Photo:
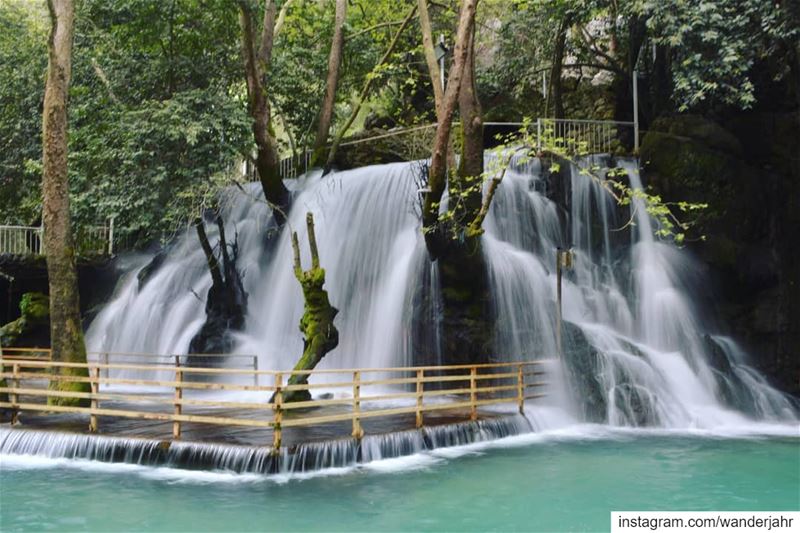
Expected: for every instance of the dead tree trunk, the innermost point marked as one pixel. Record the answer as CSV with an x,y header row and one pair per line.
x,y
334,64
257,54
226,301
66,332
320,335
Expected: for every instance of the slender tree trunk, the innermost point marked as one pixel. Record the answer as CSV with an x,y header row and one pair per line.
x,y
556,87
365,91
434,72
211,260
467,183
334,64
66,333
437,172
430,56
257,56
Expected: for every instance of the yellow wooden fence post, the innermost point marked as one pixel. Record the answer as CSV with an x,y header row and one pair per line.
x,y
278,416
358,432
95,384
178,406
14,397
420,393
473,394
520,389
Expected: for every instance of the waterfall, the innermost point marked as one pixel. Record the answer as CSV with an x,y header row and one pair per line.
x,y
638,349
305,457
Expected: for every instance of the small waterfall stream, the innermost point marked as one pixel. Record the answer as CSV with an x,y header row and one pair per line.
x,y
638,350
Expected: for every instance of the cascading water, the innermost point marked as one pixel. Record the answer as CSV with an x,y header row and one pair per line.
x,y
636,350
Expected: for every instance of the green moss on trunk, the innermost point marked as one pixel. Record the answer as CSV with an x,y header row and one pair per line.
x,y
320,336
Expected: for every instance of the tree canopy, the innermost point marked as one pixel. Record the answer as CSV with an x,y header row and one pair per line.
x,y
158,103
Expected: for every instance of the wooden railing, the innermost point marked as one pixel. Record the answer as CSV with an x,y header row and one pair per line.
x,y
458,389
251,361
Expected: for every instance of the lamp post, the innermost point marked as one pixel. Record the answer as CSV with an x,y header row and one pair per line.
x,y
636,112
563,262
441,51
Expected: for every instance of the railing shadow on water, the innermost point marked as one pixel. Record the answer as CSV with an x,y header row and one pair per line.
x,y
171,389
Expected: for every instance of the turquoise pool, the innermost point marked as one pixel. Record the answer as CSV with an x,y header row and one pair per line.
x,y
564,482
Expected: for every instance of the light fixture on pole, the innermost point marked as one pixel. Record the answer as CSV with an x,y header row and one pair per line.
x,y
564,260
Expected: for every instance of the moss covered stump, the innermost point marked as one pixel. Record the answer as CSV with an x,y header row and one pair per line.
x,y
320,336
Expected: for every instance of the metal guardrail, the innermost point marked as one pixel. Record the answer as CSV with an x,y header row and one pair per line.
x,y
418,390
21,240
28,240
576,136
582,137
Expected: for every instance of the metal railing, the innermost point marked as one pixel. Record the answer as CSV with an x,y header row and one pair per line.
x,y
21,240
28,240
581,137
458,390
575,136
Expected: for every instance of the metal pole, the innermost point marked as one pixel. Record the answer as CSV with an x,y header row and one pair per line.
x,y
563,261
441,62
559,252
538,136
636,111
111,236
544,88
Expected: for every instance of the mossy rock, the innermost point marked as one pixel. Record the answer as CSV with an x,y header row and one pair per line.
x,y
700,130
35,306
32,328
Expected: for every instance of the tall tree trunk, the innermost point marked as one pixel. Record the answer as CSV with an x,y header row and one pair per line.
x,y
66,333
467,183
334,63
437,172
434,72
556,87
467,321
257,56
622,84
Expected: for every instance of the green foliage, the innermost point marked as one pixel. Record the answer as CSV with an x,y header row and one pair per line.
x,y
716,44
670,217
156,110
23,63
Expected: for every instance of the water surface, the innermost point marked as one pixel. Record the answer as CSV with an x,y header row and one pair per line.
x,y
564,481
